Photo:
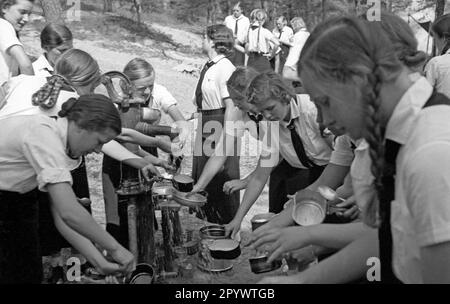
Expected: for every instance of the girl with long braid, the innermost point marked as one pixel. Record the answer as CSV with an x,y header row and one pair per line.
x,y
360,84
338,236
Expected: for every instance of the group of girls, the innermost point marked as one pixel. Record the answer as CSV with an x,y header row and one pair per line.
x,y
50,121
388,160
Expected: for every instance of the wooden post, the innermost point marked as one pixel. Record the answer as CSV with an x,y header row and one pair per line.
x,y
169,255
132,227
145,228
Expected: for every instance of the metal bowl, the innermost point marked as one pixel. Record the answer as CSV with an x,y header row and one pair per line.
x,y
308,212
183,183
224,249
191,247
212,232
193,200
260,219
259,264
143,274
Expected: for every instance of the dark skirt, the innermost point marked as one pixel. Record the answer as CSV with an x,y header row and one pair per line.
x,y
283,56
259,62
221,208
285,180
20,258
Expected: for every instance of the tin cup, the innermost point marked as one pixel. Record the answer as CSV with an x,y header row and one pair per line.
x,y
259,264
183,183
260,219
309,212
143,274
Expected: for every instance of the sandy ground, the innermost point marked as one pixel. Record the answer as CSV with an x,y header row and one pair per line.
x,y
181,85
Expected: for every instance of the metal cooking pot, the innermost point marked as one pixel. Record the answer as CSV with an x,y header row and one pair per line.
x,y
143,274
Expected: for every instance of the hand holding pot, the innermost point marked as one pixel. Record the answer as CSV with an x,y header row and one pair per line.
x,y
352,211
307,194
149,170
233,228
281,240
124,258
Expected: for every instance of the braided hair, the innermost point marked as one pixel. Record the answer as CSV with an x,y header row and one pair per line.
x,y
402,38
73,69
47,96
344,52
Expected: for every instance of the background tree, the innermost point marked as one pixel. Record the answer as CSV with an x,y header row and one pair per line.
x,y
107,6
52,11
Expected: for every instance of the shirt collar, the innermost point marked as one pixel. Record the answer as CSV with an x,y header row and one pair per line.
x,y
405,112
43,63
62,126
218,58
295,113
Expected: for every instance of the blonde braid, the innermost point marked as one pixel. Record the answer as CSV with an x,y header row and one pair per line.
x,y
374,137
47,96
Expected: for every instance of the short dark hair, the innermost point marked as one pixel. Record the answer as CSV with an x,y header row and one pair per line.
x,y
92,112
54,35
222,37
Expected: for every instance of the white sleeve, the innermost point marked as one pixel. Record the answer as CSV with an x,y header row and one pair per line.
x,y
427,182
224,76
8,38
431,71
44,150
115,150
342,154
163,98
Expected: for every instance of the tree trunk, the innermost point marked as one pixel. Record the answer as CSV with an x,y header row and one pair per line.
x,y
107,6
52,11
138,9
323,10
229,7
440,7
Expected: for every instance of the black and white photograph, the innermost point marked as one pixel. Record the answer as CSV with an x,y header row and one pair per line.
x,y
219,149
